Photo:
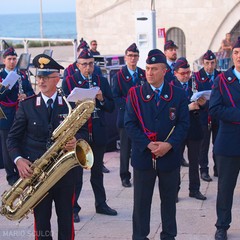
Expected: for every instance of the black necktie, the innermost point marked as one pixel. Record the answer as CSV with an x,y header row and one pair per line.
x,y
49,108
134,77
157,96
172,67
210,79
185,86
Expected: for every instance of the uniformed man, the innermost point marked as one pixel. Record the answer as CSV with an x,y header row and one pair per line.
x,y
73,68
85,78
204,81
30,137
183,80
130,75
225,106
157,121
170,51
9,99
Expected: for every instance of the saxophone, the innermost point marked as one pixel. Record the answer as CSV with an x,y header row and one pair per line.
x,y
25,194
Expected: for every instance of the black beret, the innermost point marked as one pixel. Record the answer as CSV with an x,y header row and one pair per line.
x,y
181,63
9,52
85,54
237,43
156,56
209,55
169,44
46,65
132,48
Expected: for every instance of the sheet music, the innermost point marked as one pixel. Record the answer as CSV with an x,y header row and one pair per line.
x,y
206,94
80,94
11,79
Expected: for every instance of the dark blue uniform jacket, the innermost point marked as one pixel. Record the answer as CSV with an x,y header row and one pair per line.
x,y
225,106
172,113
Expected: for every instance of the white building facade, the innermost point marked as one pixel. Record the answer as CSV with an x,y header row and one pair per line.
x,y
195,26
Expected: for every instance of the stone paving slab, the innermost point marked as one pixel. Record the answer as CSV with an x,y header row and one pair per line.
x,y
195,218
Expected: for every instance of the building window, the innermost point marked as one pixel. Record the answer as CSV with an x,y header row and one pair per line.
x,y
178,36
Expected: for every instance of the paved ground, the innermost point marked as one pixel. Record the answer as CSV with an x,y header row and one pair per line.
x,y
195,218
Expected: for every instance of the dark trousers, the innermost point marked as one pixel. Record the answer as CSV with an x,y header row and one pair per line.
x,y
144,182
96,179
193,152
10,167
228,170
63,198
125,151
204,147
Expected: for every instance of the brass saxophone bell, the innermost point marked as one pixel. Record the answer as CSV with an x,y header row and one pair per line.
x,y
84,154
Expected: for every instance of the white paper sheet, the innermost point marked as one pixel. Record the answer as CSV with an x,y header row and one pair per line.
x,y
80,94
10,80
206,94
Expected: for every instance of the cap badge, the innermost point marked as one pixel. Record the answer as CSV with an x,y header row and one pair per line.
x,y
43,61
153,59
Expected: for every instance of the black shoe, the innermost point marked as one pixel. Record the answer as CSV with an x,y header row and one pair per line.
x,y
206,177
184,163
221,234
105,209
126,183
105,170
197,195
76,218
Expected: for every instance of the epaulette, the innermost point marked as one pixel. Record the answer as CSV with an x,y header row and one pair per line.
x,y
30,97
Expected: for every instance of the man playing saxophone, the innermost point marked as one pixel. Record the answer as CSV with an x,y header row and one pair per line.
x,y
30,137
9,99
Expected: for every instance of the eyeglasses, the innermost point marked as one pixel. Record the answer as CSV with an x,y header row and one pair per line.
x,y
133,55
90,64
94,44
45,79
184,73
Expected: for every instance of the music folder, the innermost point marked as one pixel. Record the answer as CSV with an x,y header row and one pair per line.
x,y
81,94
206,94
10,80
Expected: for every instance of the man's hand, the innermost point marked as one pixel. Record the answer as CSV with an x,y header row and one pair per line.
x,y
24,168
99,96
70,145
193,106
201,101
159,149
21,96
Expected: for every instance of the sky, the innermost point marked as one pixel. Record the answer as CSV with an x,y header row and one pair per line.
x,y
33,6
